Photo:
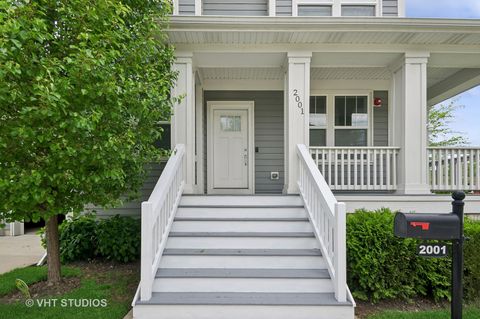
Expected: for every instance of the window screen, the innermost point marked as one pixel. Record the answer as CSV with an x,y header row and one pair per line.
x,y
315,10
358,11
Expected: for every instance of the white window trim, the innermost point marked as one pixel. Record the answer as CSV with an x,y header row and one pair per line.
x,y
337,5
176,7
331,127
272,8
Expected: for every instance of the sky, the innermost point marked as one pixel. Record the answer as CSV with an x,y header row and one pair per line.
x,y
467,118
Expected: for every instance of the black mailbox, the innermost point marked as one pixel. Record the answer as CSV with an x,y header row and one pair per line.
x,y
427,226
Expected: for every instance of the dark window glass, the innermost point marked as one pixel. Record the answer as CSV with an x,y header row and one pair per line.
x,y
318,104
340,111
345,106
361,104
350,108
165,141
352,137
318,137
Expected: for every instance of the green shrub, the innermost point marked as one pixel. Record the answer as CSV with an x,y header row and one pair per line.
x,y
382,266
472,260
78,238
379,264
119,238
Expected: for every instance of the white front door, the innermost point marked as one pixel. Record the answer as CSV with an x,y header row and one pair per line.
x,y
230,149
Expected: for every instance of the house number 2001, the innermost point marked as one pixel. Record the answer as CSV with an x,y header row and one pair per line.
x,y
298,101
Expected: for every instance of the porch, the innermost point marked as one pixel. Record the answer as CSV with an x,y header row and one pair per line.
x,y
376,168
358,99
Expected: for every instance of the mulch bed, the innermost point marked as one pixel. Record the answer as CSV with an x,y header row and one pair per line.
x,y
365,309
99,270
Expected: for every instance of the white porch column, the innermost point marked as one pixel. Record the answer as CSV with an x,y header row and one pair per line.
x,y
183,118
297,108
410,122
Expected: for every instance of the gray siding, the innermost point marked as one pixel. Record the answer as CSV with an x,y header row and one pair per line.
x,y
268,118
186,7
133,208
236,7
284,7
380,120
390,8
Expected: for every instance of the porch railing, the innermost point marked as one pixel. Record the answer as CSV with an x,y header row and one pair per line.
x,y
357,168
328,218
454,168
157,218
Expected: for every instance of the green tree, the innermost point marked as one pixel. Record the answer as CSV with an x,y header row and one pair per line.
x,y
83,85
439,132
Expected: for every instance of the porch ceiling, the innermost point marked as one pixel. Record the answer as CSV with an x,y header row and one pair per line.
x,y
435,75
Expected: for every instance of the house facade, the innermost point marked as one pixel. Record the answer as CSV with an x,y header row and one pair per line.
x,y
294,112
353,80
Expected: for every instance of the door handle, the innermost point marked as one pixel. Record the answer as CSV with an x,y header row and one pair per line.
x,y
245,157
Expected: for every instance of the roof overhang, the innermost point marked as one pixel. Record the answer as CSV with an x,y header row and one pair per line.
x,y
285,30
453,44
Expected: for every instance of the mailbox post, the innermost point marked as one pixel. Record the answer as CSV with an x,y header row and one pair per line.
x,y
457,258
440,227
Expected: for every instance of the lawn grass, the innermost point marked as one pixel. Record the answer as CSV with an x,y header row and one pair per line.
x,y
469,313
30,275
112,286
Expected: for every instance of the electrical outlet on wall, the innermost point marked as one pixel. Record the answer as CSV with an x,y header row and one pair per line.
x,y
274,175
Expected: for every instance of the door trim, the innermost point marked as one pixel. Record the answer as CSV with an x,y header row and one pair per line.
x,y
231,105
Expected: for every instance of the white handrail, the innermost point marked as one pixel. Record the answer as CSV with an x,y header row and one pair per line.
x,y
358,168
157,218
454,168
328,218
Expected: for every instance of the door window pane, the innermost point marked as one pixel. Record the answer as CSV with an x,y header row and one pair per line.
x,y
230,123
353,137
318,137
358,11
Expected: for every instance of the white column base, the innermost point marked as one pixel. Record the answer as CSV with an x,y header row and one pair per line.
x,y
413,189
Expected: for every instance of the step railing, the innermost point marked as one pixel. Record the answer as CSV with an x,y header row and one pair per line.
x,y
454,168
328,218
157,219
358,168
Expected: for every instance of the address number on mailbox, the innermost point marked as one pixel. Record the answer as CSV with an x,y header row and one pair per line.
x,y
432,250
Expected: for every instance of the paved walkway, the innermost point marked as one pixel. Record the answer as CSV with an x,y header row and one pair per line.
x,y
19,251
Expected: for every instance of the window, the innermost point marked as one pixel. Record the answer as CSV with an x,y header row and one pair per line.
x,y
318,121
351,120
230,123
315,10
358,11
165,142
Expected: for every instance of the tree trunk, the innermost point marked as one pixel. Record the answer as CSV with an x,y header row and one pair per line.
x,y
53,251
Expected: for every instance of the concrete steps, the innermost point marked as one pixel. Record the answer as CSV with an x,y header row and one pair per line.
x,y
242,257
